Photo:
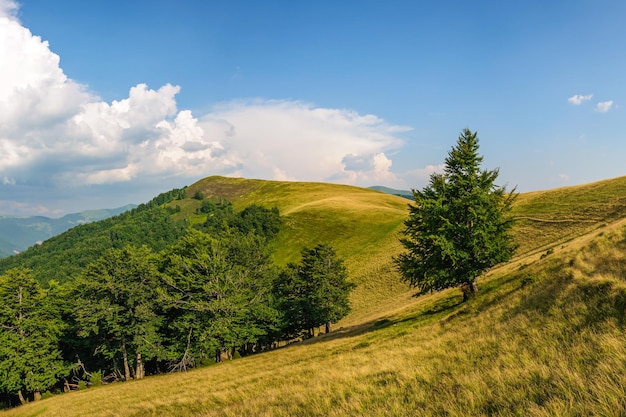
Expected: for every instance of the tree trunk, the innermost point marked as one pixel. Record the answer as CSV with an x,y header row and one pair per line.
x,y
126,366
469,289
328,326
21,397
141,370
222,355
37,395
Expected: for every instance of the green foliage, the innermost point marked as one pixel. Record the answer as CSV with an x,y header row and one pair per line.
x,y
254,219
30,359
458,227
258,220
63,257
117,306
217,295
198,195
313,293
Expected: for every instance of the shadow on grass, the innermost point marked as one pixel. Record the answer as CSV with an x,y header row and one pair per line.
x,y
431,312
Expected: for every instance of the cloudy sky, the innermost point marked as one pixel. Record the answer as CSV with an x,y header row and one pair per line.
x,y
104,103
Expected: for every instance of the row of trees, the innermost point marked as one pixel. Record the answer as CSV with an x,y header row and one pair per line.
x,y
135,311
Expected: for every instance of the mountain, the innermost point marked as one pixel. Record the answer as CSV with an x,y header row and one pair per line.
x,y
17,233
402,193
544,336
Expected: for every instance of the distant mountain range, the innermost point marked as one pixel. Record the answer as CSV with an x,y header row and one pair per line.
x,y
17,233
401,193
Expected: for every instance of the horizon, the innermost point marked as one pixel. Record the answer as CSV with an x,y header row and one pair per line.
x,y
351,93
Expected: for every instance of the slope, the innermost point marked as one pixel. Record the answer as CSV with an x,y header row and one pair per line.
x,y
17,233
362,225
545,336
548,218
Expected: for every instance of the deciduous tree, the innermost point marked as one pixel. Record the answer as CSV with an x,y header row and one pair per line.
x,y
315,292
30,359
217,291
117,306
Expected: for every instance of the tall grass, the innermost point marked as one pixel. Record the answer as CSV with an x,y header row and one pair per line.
x,y
544,336
543,339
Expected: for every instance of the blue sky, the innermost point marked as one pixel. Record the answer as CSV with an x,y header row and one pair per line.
x,y
128,99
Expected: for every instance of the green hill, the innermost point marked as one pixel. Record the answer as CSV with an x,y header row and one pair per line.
x,y
544,337
361,224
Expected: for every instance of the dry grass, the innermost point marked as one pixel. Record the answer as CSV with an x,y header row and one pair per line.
x,y
544,337
548,218
542,340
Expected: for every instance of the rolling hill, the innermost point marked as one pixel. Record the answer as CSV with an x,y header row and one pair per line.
x,y
544,337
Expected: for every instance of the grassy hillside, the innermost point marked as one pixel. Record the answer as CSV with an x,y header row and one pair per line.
x,y
361,224
548,218
544,337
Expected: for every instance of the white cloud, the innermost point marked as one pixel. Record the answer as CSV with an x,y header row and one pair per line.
x,y
289,139
55,133
421,177
578,99
604,106
7,8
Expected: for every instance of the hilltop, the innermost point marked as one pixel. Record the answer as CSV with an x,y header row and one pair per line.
x,y
543,337
361,224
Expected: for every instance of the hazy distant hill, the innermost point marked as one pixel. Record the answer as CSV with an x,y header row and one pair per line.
x,y
392,191
17,233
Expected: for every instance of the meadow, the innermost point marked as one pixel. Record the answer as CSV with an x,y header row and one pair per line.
x,y
544,336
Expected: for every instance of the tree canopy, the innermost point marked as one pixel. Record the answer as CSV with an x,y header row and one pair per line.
x,y
314,292
458,227
30,360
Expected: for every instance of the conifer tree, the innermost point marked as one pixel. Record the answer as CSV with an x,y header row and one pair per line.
x,y
458,227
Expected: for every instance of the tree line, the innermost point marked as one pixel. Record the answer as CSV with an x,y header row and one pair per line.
x,y
212,294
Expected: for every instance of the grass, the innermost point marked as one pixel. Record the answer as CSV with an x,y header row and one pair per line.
x,y
548,218
361,224
544,337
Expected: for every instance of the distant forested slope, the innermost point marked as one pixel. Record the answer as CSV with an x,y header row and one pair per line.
x,y
64,256
17,233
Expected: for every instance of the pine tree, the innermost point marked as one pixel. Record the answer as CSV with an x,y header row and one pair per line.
x,y
458,227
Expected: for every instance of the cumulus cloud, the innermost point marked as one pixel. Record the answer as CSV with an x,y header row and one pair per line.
x,y
578,99
288,139
604,106
7,8
55,133
421,176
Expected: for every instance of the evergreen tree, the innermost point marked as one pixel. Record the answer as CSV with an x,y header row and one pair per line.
x,y
30,359
458,227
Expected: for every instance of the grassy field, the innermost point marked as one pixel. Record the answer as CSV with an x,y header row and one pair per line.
x,y
544,337
362,225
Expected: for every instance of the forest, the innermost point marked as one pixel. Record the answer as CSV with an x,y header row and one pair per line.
x,y
142,293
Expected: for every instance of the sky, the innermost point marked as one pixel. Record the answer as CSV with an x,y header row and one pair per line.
x,y
106,103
